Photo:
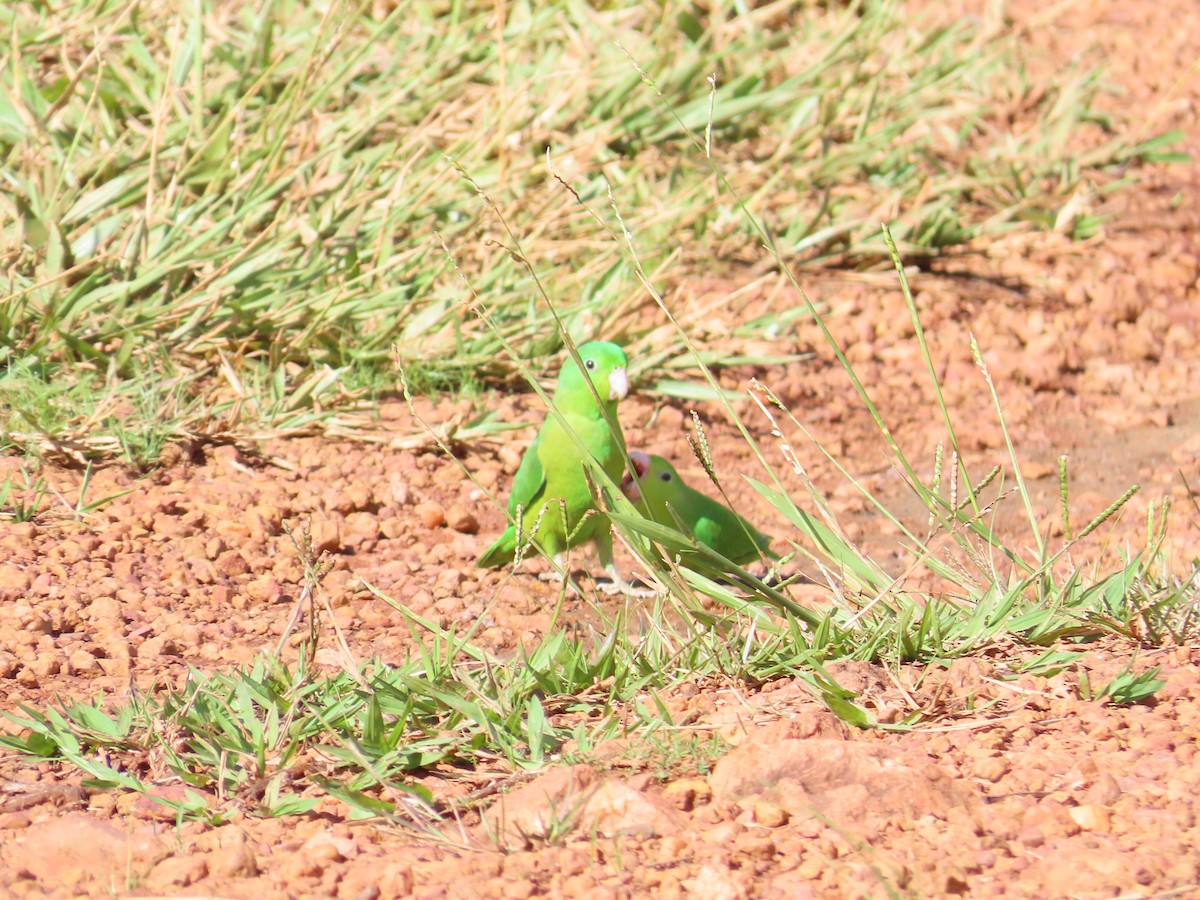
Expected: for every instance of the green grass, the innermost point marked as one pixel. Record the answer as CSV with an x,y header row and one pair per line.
x,y
277,739
220,217
24,496
224,218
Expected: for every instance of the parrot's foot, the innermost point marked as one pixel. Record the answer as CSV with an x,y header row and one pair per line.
x,y
612,588
558,574
618,585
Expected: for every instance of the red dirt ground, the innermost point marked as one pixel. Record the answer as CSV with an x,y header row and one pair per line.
x,y
1092,348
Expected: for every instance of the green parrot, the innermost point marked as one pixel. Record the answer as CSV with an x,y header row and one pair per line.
x,y
658,491
551,499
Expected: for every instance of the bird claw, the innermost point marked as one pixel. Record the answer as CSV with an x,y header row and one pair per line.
x,y
621,586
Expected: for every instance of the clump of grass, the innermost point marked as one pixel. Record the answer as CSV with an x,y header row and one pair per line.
x,y
24,496
670,754
962,585
247,204
275,739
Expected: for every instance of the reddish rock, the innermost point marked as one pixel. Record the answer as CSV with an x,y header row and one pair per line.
x,y
461,520
770,815
991,768
431,514
617,809
1105,791
687,793
74,849
14,821
329,847
855,785
44,665
83,662
359,530
177,872
326,536
264,589
1090,818
157,646
231,563
392,527
715,882
536,809
71,552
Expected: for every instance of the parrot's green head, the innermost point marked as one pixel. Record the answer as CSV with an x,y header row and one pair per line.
x,y
604,364
656,478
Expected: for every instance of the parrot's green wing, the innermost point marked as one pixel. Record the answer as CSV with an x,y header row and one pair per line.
x,y
500,553
530,480
709,532
528,486
719,527
731,535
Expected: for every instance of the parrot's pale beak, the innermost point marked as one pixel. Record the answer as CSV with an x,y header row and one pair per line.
x,y
631,481
641,462
618,384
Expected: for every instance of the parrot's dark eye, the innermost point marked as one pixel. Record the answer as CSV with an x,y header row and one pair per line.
x,y
664,476
590,363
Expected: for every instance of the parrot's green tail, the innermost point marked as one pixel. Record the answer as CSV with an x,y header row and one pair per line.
x,y
760,549
500,553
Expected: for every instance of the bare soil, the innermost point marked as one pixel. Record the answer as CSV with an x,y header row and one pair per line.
x,y
1035,793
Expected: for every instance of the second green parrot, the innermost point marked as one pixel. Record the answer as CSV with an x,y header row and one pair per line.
x,y
551,501
658,491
